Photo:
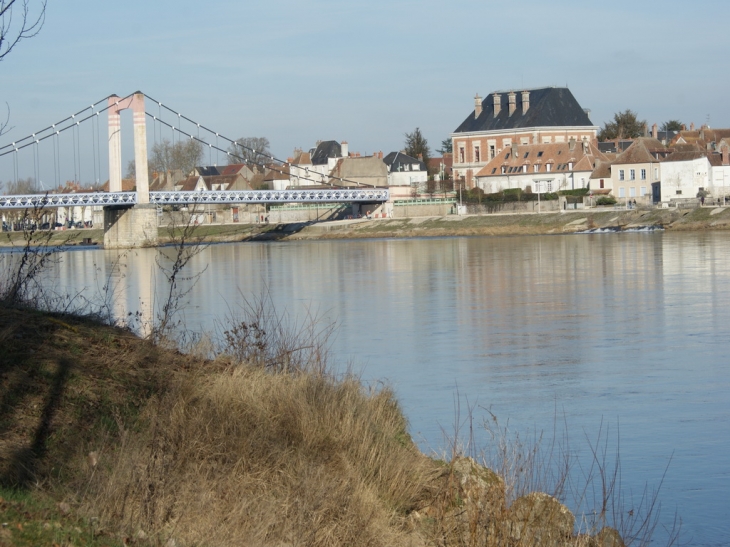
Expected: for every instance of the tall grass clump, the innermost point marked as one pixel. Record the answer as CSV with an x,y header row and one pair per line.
x,y
256,453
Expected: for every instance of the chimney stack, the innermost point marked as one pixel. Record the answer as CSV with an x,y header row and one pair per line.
x,y
725,155
497,103
345,149
512,97
692,126
655,131
525,101
477,105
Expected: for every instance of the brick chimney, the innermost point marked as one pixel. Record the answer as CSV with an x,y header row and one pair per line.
x,y
525,101
512,97
571,144
497,103
477,105
726,155
655,131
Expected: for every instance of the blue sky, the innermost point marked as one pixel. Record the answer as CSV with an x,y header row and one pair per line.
x,y
296,72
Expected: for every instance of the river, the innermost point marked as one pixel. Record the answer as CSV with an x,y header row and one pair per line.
x,y
624,333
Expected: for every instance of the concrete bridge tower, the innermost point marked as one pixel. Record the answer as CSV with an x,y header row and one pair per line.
x,y
126,227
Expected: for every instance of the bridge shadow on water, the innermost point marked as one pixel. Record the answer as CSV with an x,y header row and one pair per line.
x,y
280,231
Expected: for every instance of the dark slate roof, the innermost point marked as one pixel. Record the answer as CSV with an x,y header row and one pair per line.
x,y
324,150
549,107
395,161
208,171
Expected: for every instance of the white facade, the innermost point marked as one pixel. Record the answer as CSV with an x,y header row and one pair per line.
x,y
407,178
683,179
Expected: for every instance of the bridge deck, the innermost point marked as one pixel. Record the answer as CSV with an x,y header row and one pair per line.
x,y
330,195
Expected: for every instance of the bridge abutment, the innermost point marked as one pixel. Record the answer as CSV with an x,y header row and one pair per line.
x,y
129,227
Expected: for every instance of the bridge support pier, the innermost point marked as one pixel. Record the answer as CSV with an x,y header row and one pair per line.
x,y
129,227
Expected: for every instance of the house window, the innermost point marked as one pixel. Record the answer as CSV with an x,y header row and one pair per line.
x,y
632,192
536,168
524,168
601,184
656,173
549,185
548,167
492,152
461,154
477,155
632,174
622,192
620,174
679,192
504,169
642,191
643,174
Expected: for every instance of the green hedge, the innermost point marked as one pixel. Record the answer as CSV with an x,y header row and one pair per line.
x,y
477,195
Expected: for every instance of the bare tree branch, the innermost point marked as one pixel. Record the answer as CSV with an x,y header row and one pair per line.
x,y
19,20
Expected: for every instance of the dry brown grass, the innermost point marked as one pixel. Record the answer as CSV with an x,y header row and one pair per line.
x,y
246,457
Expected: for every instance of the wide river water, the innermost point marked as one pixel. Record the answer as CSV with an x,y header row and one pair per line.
x,y
626,333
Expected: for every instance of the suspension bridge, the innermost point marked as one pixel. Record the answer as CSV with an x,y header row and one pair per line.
x,y
130,218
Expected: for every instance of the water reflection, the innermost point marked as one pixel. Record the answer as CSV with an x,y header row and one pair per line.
x,y
627,328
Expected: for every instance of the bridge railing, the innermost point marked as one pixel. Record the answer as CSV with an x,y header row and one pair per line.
x,y
327,195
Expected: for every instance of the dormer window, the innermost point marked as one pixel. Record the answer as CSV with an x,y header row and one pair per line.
x,y
539,154
526,154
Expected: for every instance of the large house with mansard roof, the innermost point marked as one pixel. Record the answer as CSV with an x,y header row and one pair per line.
x,y
541,168
532,116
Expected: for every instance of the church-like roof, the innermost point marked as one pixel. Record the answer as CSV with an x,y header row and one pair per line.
x,y
547,107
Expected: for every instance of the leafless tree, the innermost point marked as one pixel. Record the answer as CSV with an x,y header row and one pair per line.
x,y
166,156
19,19
249,150
21,186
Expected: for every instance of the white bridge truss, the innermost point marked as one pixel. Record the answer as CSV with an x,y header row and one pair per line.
x,y
126,199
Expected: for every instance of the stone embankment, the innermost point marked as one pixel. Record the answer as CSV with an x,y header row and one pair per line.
x,y
500,224
701,218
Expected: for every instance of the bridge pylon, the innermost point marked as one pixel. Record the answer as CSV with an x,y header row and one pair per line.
x,y
137,226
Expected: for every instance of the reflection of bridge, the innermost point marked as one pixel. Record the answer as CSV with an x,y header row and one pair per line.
x,y
130,218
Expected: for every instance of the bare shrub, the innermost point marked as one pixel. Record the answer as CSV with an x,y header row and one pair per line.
x,y
255,334
185,245
21,283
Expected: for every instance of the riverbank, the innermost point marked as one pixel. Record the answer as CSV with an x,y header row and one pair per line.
x,y
109,439
696,219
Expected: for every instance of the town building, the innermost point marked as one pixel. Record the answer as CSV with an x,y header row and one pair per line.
x,y
635,173
539,168
532,116
404,170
